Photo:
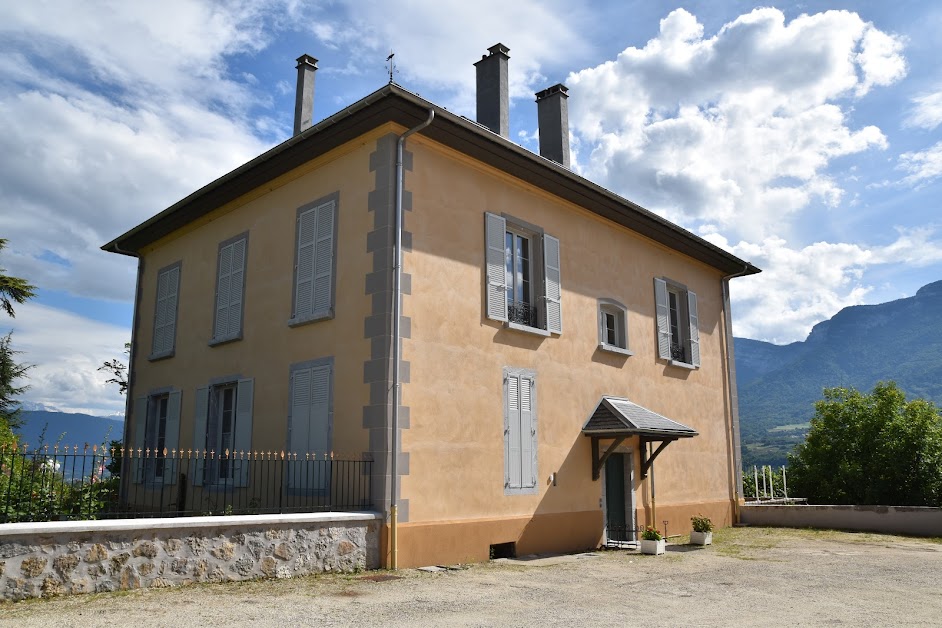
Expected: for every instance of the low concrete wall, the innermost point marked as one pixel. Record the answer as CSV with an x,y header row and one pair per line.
x,y
887,519
47,559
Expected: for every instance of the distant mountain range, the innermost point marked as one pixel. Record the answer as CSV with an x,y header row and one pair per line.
x,y
860,346
45,427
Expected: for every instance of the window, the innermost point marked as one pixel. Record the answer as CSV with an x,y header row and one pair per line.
x,y
156,434
314,262
230,285
520,466
223,432
165,315
523,275
613,327
678,333
309,425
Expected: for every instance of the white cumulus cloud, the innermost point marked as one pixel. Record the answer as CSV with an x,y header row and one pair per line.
x,y
922,166
803,285
67,350
926,112
109,113
737,129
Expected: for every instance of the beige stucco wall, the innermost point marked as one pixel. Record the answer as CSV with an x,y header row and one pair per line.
x,y
454,485
269,345
457,356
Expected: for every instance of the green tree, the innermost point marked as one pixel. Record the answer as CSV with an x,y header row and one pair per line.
x,y
10,371
118,370
13,289
870,449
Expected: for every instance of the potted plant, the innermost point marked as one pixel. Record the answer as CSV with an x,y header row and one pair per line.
x,y
702,530
652,542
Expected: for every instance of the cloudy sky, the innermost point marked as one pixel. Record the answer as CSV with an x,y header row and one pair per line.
x,y
804,138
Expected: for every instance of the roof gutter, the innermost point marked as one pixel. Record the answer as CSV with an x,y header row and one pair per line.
x,y
396,349
733,391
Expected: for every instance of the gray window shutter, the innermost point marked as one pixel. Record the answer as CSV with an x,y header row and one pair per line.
x,y
552,285
694,328
199,434
527,435
168,286
242,440
323,257
229,284
304,270
507,414
310,428
663,319
172,436
514,437
140,428
320,425
495,258
299,426
223,284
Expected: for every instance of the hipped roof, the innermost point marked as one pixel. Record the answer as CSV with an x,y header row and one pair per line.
x,y
616,416
392,103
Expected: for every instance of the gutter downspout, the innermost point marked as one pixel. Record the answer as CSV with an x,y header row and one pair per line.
x,y
733,392
396,358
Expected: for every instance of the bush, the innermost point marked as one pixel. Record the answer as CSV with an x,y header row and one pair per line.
x,y
651,534
701,524
873,449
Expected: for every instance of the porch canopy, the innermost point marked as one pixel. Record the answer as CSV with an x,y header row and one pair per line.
x,y
616,419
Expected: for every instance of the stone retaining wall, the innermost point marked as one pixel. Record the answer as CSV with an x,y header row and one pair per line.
x,y
57,558
917,521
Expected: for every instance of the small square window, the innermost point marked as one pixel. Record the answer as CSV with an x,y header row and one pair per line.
x,y
613,326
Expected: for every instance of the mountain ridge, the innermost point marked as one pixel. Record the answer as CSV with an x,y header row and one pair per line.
x,y
859,346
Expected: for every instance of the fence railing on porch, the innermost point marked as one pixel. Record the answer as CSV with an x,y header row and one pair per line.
x,y
62,483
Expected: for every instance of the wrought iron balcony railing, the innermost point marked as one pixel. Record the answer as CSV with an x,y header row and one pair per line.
x,y
522,313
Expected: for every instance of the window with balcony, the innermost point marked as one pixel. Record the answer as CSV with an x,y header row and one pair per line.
x,y
523,276
678,334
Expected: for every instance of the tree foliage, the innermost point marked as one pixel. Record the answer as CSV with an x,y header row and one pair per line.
x,y
118,370
10,371
872,448
13,289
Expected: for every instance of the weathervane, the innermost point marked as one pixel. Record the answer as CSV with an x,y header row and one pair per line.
x,y
391,65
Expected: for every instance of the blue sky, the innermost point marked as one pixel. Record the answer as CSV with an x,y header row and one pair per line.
x,y
803,137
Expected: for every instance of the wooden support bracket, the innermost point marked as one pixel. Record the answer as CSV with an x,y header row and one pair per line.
x,y
647,462
598,462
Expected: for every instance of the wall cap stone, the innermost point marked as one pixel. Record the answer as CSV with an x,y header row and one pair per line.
x,y
181,523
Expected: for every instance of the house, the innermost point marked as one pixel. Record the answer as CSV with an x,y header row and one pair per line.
x,y
554,339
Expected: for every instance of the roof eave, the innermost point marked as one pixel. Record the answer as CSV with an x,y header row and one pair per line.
x,y
392,103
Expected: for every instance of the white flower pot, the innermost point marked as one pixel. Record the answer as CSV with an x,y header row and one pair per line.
x,y
701,538
653,547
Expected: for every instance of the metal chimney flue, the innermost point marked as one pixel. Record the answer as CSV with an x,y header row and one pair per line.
x,y
552,106
493,90
304,96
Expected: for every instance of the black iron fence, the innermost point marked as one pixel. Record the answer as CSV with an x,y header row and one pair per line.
x,y
63,483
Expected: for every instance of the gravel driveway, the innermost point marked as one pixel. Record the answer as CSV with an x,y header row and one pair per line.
x,y
749,577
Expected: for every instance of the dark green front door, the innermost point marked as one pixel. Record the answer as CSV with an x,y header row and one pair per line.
x,y
615,498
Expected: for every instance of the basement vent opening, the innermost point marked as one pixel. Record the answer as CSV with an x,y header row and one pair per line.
x,y
503,550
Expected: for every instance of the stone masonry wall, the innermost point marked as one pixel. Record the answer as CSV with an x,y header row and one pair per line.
x,y
48,559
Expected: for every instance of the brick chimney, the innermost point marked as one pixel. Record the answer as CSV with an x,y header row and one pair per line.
x,y
553,116
494,90
304,96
